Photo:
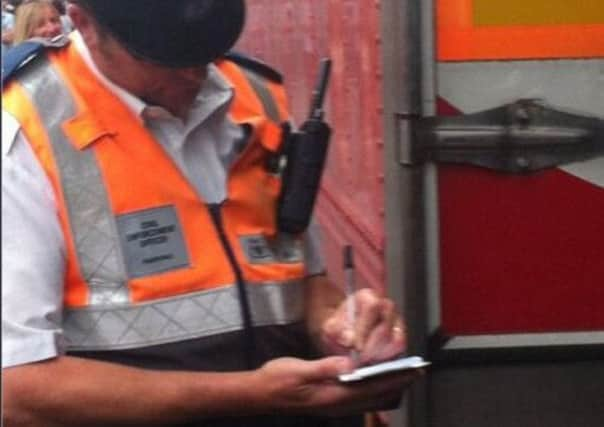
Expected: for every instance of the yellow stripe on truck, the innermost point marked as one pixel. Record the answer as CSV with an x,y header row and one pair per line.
x,y
537,12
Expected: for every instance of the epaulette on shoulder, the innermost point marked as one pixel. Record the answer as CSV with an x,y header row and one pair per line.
x,y
17,57
254,65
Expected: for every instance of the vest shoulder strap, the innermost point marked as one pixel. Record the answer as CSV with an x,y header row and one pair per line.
x,y
258,74
17,58
255,65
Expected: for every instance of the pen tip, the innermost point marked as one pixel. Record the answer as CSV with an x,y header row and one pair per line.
x,y
348,257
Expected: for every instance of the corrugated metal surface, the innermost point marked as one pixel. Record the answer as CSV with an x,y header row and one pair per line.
x,y
292,36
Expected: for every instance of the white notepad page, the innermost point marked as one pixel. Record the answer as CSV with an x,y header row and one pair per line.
x,y
412,362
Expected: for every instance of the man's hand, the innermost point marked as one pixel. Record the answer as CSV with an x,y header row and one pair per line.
x,y
296,386
377,335
147,398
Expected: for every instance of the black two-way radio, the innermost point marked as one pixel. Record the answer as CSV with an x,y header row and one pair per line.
x,y
306,151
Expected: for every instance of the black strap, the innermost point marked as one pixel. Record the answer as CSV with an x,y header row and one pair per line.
x,y
254,65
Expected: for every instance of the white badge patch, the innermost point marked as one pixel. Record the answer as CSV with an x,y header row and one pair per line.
x,y
283,249
152,241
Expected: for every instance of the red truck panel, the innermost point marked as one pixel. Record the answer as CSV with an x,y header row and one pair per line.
x,y
519,253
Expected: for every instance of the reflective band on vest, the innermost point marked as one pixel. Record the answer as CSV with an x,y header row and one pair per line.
x,y
90,214
184,317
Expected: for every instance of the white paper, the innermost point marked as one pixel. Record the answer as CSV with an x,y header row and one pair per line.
x,y
412,362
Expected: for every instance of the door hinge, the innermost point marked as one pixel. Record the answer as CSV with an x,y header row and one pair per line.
x,y
524,136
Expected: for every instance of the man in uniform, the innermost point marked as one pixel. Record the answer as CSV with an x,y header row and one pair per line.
x,y
144,280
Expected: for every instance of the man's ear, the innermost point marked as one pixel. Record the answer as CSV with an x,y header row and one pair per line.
x,y
84,23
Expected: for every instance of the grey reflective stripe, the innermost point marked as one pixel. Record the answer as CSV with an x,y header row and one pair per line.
x,y
183,317
264,94
91,220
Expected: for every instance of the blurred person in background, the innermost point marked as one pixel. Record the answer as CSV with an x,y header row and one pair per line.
x,y
65,20
36,18
8,22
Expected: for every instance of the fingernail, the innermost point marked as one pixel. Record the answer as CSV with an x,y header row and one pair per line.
x,y
397,332
341,364
347,338
345,366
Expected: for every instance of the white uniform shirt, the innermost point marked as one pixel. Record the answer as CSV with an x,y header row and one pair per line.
x,y
33,247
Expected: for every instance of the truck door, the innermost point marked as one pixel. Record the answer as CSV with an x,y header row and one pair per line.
x,y
515,315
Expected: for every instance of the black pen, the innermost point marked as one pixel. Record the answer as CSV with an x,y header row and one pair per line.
x,y
350,288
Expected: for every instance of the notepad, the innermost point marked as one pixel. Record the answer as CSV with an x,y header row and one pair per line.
x,y
412,362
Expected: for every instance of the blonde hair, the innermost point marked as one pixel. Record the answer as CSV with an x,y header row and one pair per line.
x,y
27,16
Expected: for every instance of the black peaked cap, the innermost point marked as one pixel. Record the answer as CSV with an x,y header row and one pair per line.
x,y
173,33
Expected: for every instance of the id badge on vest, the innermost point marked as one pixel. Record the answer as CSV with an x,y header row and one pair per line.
x,y
152,241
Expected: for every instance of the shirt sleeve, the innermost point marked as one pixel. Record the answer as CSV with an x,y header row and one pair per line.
x,y
312,250
33,255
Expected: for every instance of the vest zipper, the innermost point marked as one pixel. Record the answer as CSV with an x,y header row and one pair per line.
x,y
215,210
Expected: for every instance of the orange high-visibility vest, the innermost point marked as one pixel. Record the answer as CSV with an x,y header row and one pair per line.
x,y
148,261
